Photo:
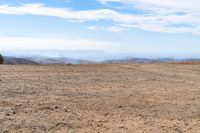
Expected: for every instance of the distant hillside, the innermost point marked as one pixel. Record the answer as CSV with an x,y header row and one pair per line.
x,y
65,60
74,54
132,60
146,60
59,60
43,60
15,61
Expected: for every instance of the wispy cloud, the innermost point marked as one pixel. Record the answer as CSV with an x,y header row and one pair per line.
x,y
159,15
160,18
81,16
115,29
181,5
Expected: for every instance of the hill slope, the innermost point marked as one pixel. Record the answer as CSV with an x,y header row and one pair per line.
x,y
17,61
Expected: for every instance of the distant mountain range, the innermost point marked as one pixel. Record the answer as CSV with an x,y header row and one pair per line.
x,y
93,55
64,60
146,60
42,60
77,57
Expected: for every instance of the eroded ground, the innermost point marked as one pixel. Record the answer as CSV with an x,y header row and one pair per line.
x,y
133,98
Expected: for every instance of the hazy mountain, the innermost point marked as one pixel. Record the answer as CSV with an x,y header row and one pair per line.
x,y
78,57
92,55
59,60
41,60
146,60
131,60
64,60
15,61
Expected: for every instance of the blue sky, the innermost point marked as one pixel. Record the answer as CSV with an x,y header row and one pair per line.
x,y
170,28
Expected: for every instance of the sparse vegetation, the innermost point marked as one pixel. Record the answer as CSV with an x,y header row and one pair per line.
x,y
1,59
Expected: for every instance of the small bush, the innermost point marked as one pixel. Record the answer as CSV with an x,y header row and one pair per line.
x,y
1,59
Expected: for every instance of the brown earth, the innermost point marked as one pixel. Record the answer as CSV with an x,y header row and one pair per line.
x,y
132,98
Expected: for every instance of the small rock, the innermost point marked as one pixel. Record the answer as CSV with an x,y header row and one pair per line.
x,y
13,112
122,127
106,114
55,107
65,109
7,114
18,105
120,106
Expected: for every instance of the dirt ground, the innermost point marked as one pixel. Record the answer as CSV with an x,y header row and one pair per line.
x,y
123,98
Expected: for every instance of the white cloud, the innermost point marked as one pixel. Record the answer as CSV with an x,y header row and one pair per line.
x,y
86,15
171,16
115,29
183,5
177,16
12,43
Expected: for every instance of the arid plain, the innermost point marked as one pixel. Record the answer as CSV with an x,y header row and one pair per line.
x,y
105,98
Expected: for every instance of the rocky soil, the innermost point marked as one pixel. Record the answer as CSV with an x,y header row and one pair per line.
x,y
139,98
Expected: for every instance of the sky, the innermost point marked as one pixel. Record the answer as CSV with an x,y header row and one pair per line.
x,y
161,28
